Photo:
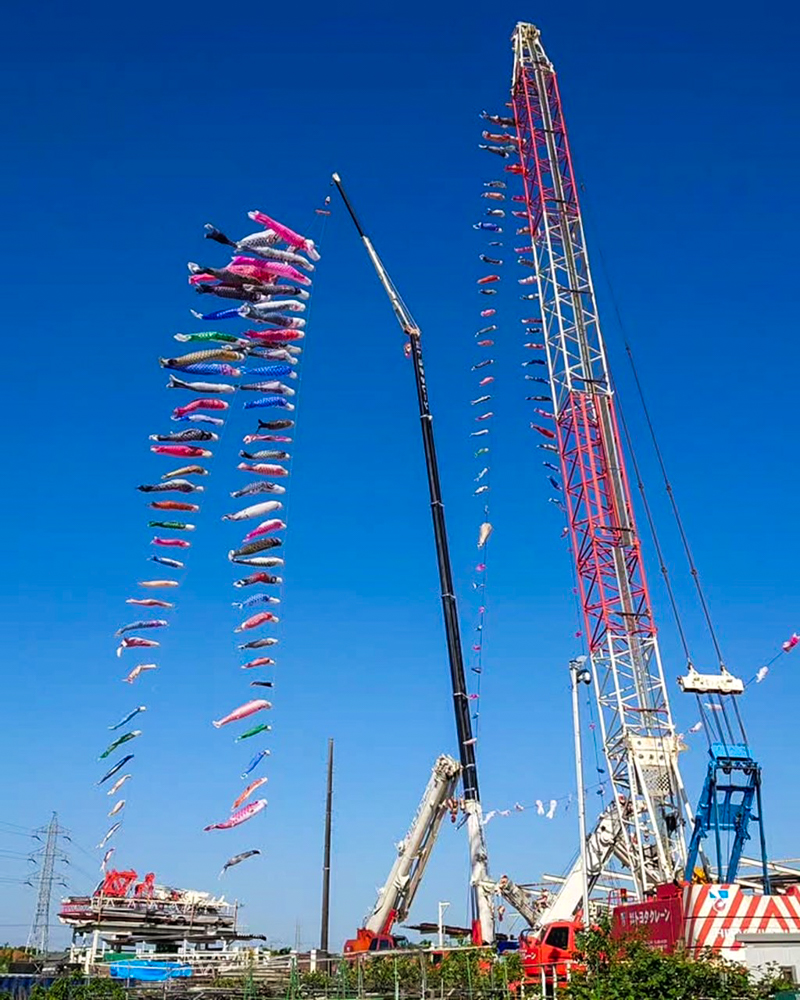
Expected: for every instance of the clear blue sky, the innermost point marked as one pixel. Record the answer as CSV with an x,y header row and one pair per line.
x,y
125,129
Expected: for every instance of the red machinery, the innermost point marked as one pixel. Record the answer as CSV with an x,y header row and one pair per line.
x,y
116,883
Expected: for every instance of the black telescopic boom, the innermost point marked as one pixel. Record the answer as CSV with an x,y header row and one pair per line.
x,y
455,655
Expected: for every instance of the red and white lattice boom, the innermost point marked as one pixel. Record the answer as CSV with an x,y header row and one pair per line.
x,y
638,733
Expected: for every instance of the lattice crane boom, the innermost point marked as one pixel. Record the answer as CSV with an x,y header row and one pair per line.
x,y
638,732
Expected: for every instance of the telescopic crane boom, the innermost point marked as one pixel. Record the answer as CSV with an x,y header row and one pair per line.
x,y
397,894
482,916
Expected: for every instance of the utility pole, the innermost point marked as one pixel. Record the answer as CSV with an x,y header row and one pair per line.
x,y
326,864
46,857
442,907
578,674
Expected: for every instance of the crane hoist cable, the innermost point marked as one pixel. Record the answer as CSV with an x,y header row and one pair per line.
x,y
731,736
659,456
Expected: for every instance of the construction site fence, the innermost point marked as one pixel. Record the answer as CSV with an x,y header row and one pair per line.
x,y
455,973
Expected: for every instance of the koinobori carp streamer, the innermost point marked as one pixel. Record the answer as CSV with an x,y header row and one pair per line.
x,y
192,434
259,661
239,817
255,510
262,727
262,618
129,716
242,712
268,561
116,767
138,670
258,545
118,784
259,643
118,742
256,599
208,374
255,761
134,641
254,578
258,783
257,487
237,859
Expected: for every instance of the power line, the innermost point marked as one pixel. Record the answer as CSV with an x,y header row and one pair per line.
x,y
25,829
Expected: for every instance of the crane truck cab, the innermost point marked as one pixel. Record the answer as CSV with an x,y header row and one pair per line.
x,y
548,954
367,941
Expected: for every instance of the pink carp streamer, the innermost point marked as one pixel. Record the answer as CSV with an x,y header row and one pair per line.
x,y
237,818
242,712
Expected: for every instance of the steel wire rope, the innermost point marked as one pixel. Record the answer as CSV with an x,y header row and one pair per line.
x,y
676,614
481,626
615,304
224,430
296,417
662,737
656,446
481,588
674,507
673,503
718,702
15,833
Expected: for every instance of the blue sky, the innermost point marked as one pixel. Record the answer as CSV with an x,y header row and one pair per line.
x,y
127,129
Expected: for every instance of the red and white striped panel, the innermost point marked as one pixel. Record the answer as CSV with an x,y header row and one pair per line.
x,y
715,914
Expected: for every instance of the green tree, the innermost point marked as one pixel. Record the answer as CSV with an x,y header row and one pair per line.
x,y
75,987
628,969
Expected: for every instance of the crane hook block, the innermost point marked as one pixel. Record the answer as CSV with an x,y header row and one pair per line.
x,y
721,683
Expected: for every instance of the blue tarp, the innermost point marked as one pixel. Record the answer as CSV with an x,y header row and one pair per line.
x,y
151,972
